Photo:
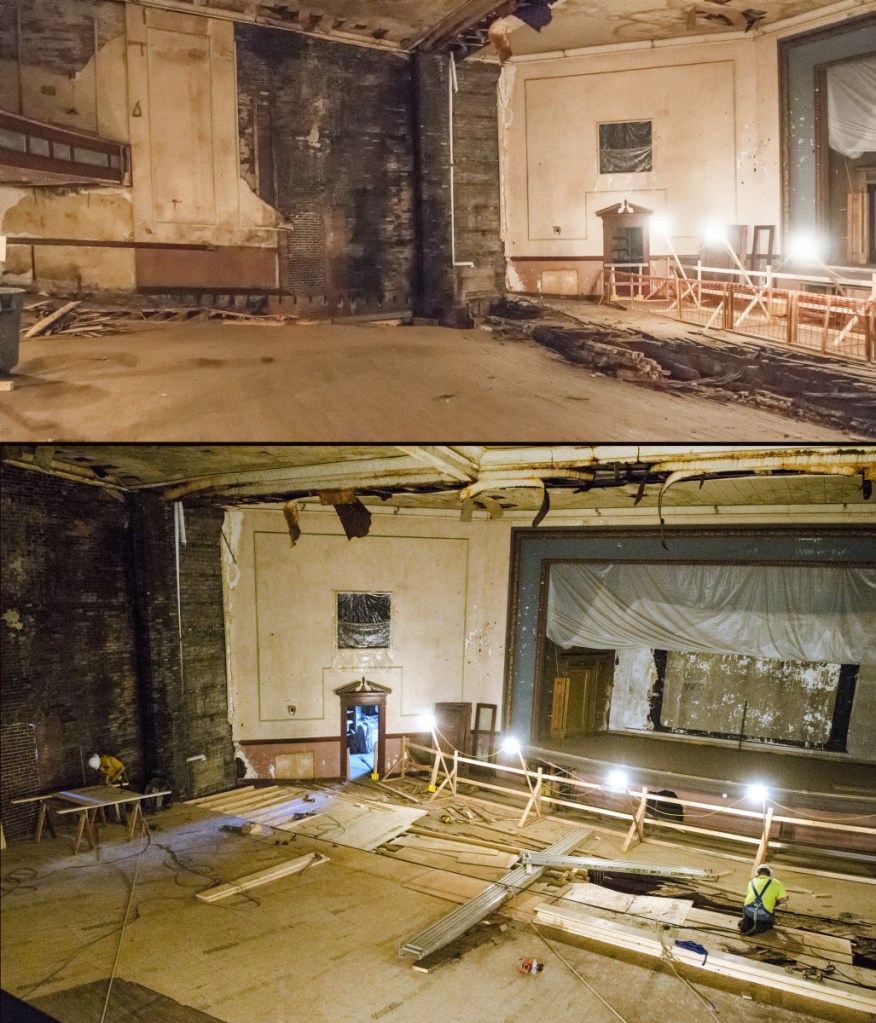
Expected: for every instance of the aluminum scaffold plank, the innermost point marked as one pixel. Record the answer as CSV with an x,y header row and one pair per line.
x,y
479,908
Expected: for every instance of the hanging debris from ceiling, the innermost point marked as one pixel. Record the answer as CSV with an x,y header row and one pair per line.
x,y
354,516
534,13
290,511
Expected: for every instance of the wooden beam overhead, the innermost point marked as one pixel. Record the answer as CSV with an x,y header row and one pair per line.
x,y
458,20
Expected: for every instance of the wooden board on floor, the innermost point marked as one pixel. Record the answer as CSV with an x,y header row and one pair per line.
x,y
646,939
261,877
444,845
448,861
651,907
355,825
445,885
497,859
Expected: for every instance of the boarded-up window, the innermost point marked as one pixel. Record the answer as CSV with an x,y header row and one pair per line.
x,y
625,147
363,620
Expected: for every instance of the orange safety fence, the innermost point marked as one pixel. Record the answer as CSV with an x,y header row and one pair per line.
x,y
837,325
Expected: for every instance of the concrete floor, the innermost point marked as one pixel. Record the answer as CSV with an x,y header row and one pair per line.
x,y
206,381
321,945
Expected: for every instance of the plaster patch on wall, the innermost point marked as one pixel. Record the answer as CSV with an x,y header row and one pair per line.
x,y
634,678
249,770
513,280
13,620
504,92
255,211
232,529
102,214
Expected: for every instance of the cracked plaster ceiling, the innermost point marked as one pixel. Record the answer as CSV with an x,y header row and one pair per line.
x,y
461,25
490,480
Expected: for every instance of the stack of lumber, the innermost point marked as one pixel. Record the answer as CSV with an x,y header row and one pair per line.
x,y
271,805
658,940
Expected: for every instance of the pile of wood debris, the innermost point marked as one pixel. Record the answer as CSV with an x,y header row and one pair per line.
x,y
72,319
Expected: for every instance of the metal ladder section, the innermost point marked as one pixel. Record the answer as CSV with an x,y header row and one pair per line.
x,y
545,859
480,907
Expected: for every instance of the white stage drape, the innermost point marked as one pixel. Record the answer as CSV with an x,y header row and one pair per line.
x,y
851,107
813,613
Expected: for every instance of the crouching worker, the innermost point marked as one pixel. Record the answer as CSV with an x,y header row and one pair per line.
x,y
112,770
765,892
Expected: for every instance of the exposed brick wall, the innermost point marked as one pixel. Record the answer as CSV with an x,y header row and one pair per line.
x,y
184,692
435,280
66,638
203,626
476,156
90,644
325,134
441,286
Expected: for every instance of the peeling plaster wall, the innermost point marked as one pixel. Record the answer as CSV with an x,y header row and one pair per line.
x,y
786,702
634,678
706,692
325,134
163,82
448,582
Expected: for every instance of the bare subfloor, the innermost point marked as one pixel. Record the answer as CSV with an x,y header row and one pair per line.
x,y
207,381
323,945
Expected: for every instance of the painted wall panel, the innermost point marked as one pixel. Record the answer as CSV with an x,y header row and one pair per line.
x,y
694,146
448,582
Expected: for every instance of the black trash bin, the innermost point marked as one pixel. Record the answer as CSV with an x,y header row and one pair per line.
x,y
11,301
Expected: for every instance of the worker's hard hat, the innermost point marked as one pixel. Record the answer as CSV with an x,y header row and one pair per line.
x,y
764,869
94,761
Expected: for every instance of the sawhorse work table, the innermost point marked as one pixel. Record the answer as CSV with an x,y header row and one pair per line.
x,y
88,802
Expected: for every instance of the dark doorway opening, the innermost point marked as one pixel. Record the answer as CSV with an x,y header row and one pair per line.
x,y
362,730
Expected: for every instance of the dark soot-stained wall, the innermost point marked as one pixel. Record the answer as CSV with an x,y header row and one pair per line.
x,y
352,145
90,643
325,135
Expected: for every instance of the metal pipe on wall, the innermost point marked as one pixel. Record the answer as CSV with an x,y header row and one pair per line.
x,y
453,86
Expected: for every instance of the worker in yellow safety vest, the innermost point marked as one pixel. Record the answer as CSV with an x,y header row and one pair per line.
x,y
764,893
112,770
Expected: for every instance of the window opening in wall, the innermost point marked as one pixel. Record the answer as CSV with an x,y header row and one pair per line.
x,y
625,147
364,621
362,735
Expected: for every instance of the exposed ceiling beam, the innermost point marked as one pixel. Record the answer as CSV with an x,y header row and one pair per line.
x,y
400,471
458,20
447,460
668,458
846,461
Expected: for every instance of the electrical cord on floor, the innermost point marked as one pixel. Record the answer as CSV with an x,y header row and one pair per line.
x,y
585,982
144,842
666,956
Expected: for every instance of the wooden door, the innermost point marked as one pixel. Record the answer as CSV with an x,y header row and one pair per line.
x,y
560,707
454,726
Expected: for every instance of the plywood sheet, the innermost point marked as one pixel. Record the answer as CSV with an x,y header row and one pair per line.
x,y
650,907
358,826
